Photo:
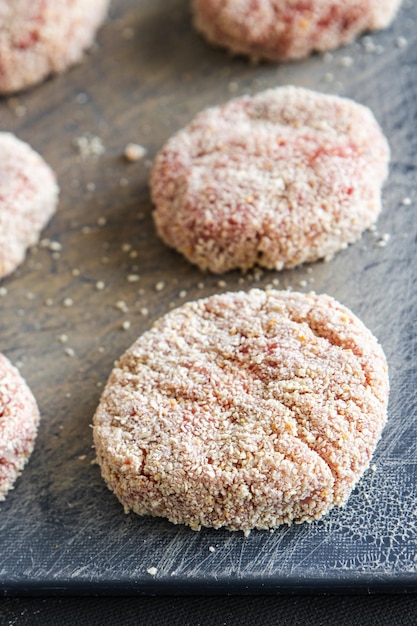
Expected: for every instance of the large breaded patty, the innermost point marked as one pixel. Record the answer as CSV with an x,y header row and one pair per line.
x,y
244,411
285,177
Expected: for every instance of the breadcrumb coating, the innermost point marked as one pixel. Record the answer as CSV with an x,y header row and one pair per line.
x,y
19,419
279,30
28,199
43,37
285,177
244,411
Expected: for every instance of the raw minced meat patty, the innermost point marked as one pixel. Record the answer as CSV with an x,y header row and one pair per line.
x,y
42,37
28,198
19,419
285,177
243,410
279,30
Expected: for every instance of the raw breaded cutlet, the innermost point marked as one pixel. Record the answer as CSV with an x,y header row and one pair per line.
x,y
43,37
244,411
19,419
285,177
28,199
280,30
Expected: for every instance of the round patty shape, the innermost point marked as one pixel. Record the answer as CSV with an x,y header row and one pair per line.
x,y
28,198
19,419
279,30
243,410
43,37
285,177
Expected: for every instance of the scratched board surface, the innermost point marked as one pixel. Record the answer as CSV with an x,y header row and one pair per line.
x,y
61,530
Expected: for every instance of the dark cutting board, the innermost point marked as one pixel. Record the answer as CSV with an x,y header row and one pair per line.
x,y
61,530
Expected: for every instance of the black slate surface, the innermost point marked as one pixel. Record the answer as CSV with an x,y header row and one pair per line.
x,y
61,530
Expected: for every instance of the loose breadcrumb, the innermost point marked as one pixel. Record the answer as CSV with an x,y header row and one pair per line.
x,y
152,571
345,61
25,208
328,77
133,278
122,306
128,33
89,146
134,152
81,98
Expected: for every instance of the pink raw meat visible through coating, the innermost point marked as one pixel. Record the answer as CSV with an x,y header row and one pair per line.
x,y
43,37
285,177
279,30
243,410
19,419
28,198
